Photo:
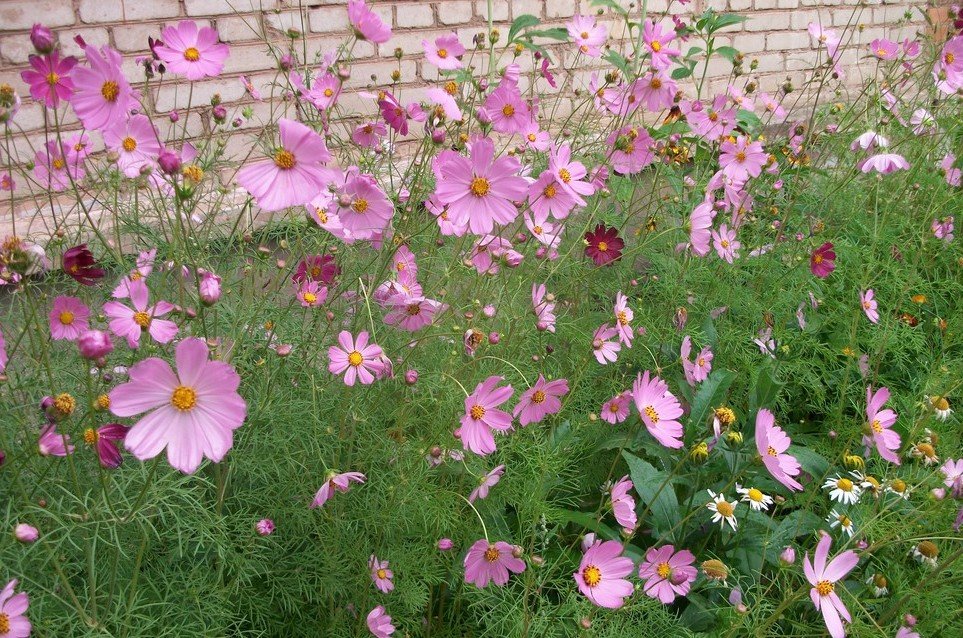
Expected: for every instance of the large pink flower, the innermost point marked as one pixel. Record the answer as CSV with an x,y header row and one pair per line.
x,y
130,323
193,412
659,409
623,505
293,175
667,573
587,35
192,52
355,358
741,159
631,149
540,400
363,208
12,609
136,143
102,96
491,562
69,318
479,191
367,25
49,78
601,574
444,52
772,443
379,622
482,416
878,431
823,578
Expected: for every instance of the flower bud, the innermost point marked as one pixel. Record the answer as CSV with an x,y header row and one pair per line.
x,y
42,38
26,533
713,569
411,377
169,162
264,527
788,556
209,287
445,544
494,338
94,344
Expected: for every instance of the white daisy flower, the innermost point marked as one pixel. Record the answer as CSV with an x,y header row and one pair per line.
x,y
845,523
899,488
941,407
757,500
723,511
878,584
867,482
926,552
842,490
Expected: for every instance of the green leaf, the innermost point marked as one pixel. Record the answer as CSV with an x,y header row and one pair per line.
x,y
764,390
655,490
709,394
724,20
812,462
520,23
611,4
557,33
681,72
728,53
588,522
616,60
693,51
748,119
699,615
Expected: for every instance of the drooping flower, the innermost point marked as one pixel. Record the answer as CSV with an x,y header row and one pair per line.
x,y
482,416
667,573
136,143
544,308
823,578
623,505
491,562
194,53
623,319
53,443
695,371
444,52
879,423
355,358
822,261
700,223
102,96
659,409
540,400
380,574
722,510
13,609
69,318
79,263
601,575
952,472
293,175
105,439
884,163
49,78
587,35
379,623
193,412
772,443
485,483
605,349
366,23
616,409
335,483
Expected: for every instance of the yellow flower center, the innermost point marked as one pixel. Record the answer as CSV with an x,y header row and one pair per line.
x,y
867,305
184,398
724,243
603,246
193,172
359,205
818,259
110,90
134,276
565,175
877,428
65,404
592,575
538,396
142,319
442,53
355,358
4,624
824,587
66,317
103,401
59,163
451,87
508,110
844,520
480,186
623,318
191,54
881,52
898,485
613,407
531,137
129,144
328,92
310,297
477,411
492,554
656,46
90,436
584,35
844,484
725,508
52,78
382,574
755,495
550,191
284,159
663,570
651,413
740,157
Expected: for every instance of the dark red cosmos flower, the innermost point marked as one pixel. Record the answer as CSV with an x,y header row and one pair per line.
x,y
821,262
320,268
604,245
79,263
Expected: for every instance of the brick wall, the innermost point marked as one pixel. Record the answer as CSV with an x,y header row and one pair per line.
x,y
775,36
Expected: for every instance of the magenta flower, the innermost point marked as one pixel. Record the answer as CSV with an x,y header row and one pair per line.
x,y
355,358
12,610
380,574
412,313
69,318
53,443
293,175
725,242
623,505
569,174
445,52
93,344
943,228
363,208
659,409
884,163
667,573
135,142
49,78
131,323
879,422
335,483
194,53
606,350
695,371
884,49
79,263
623,319
631,149
544,309
823,579
507,110
540,400
601,575
822,261
491,562
742,159
366,23
311,294
369,134
655,39
486,482
616,409
772,443
264,527
587,35
104,439
102,96
379,623
481,416
322,268
869,305
193,412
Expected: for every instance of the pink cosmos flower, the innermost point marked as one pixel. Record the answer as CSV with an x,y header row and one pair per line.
x,y
772,106
445,52
379,623
506,109
822,261
695,371
366,23
868,141
490,251
104,439
655,40
954,176
143,267
605,348
293,174
412,313
13,608
396,115
101,94
491,562
923,122
884,49
540,400
953,476
369,134
726,244
823,579
772,443
869,305
547,197
131,323
587,35
740,99
544,309
69,318
535,138
192,52
616,409
482,416
569,174
479,192
884,163
449,106
323,94
655,89
631,149
54,170
335,483
321,268
667,573
623,319
710,122
135,142
380,574
879,422
49,78
486,482
54,443
700,223
623,505
193,412
659,409
355,358
943,228
601,575
311,294
360,204
741,159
